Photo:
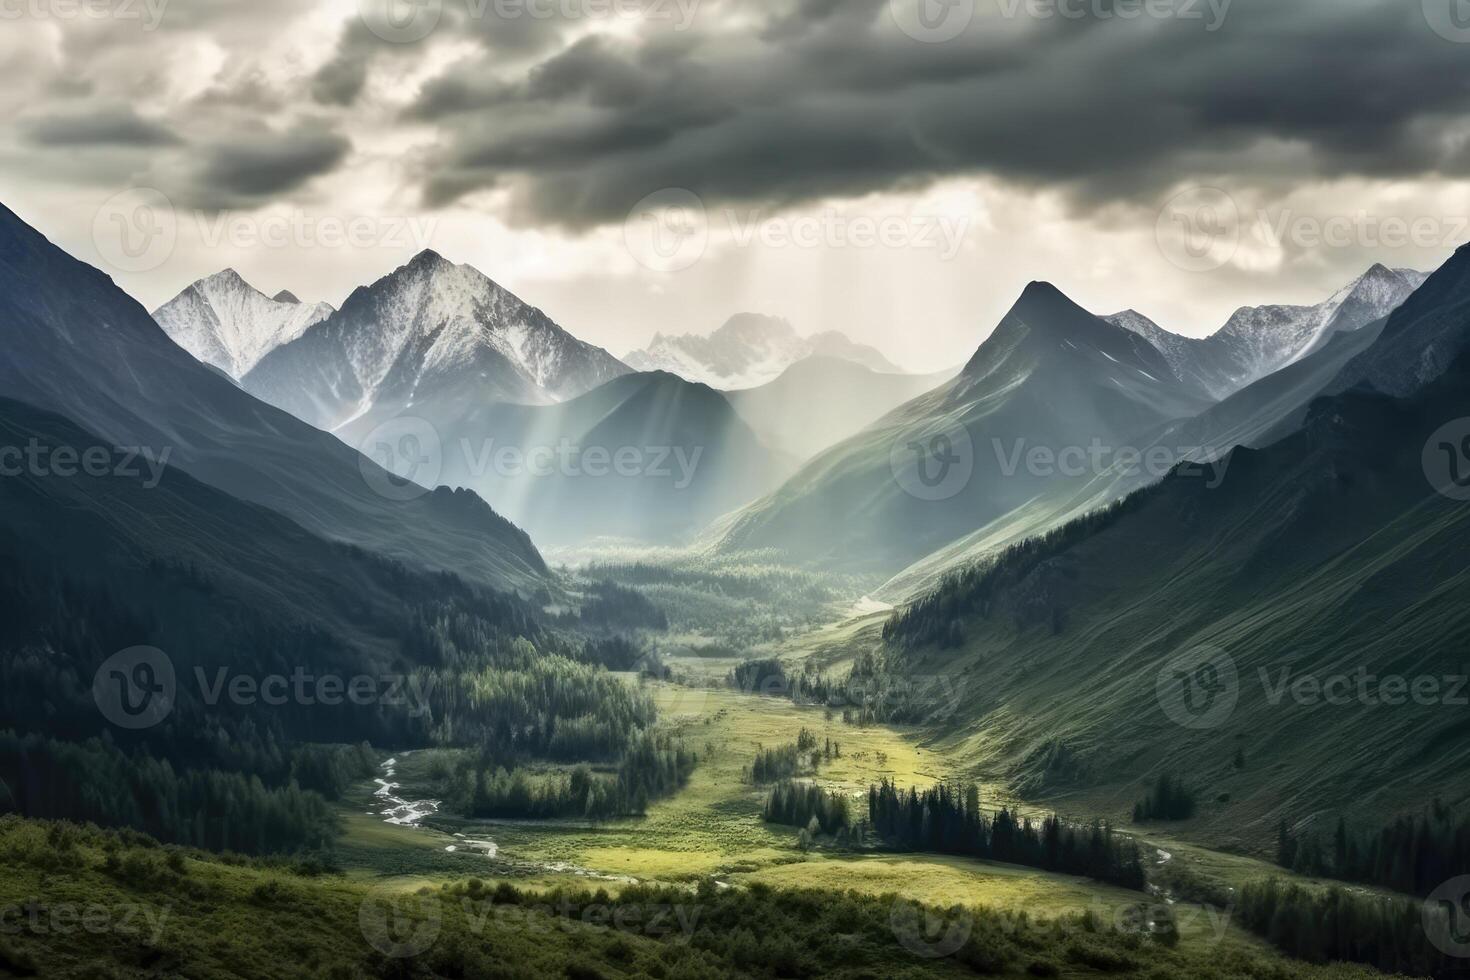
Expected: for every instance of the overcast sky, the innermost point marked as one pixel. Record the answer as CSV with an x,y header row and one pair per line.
x,y
896,169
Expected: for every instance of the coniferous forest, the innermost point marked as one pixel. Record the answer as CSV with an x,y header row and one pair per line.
x,y
768,489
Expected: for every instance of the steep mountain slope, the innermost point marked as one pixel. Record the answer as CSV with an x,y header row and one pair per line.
x,y
1259,340
647,456
1051,382
747,351
1327,555
1256,415
79,346
430,327
191,559
1421,339
819,401
229,324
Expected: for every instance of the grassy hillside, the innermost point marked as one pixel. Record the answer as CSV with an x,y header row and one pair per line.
x,y
1326,556
81,903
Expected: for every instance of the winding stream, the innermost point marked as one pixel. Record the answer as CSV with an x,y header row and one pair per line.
x,y
412,813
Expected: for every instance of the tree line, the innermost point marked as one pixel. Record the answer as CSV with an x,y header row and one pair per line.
x,y
1327,925
789,760
1167,799
1413,854
797,804
949,820
650,768
458,665
207,808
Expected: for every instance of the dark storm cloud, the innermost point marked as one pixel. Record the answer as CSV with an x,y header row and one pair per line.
x,y
101,126
831,98
341,80
257,166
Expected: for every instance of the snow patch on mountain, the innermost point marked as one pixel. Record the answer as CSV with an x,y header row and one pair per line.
x,y
1260,340
229,324
749,350
431,330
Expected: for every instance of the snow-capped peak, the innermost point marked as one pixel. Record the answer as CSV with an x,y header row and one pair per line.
x,y
748,350
226,322
431,330
449,314
1259,340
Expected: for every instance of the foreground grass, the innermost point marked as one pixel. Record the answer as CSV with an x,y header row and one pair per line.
x,y
85,903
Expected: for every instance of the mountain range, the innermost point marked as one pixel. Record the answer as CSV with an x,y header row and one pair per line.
x,y
433,338
1052,379
819,401
81,348
1260,340
646,457
1051,375
747,351
441,346
229,324
1327,553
